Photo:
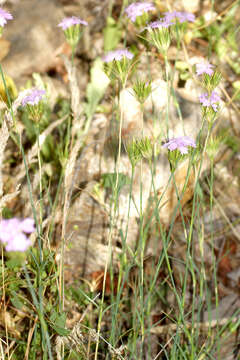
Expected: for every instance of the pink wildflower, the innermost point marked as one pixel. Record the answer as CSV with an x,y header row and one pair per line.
x,y
211,100
137,9
117,55
71,21
18,243
27,225
13,233
165,23
204,68
34,96
180,16
180,143
4,16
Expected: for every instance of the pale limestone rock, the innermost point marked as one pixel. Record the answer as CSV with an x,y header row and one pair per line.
x,y
191,6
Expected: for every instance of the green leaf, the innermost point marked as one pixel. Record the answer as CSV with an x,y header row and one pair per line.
x,y
58,322
111,34
61,319
61,331
48,148
16,260
109,180
17,303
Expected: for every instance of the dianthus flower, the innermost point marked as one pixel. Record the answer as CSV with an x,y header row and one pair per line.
x,y
165,23
204,68
137,9
180,16
180,143
4,16
13,233
117,55
71,21
211,100
33,97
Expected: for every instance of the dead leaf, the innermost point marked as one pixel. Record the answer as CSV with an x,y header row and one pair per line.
x,y
98,279
225,265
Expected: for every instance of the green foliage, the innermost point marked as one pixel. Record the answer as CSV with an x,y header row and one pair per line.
x,y
146,148
160,38
230,140
109,181
16,300
43,280
78,294
120,70
138,149
211,82
7,213
111,34
236,86
54,150
213,146
15,261
222,35
58,322
33,128
73,34
175,157
183,69
134,152
142,90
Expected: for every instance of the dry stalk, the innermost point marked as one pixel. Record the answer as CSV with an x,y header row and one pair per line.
x,y
77,125
4,135
30,335
75,95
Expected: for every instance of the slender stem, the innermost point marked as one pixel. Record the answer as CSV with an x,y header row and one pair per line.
x,y
168,92
40,175
113,222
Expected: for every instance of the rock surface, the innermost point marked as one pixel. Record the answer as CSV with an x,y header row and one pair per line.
x,y
34,38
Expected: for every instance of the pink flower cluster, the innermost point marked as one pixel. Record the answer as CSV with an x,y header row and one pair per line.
x,y
204,68
170,19
117,55
210,100
160,23
4,16
137,9
33,97
180,143
13,233
71,21
180,16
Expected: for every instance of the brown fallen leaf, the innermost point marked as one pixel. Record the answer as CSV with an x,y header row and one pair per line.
x,y
225,265
97,282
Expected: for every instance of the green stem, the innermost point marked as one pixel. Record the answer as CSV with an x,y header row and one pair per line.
x,y
112,224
